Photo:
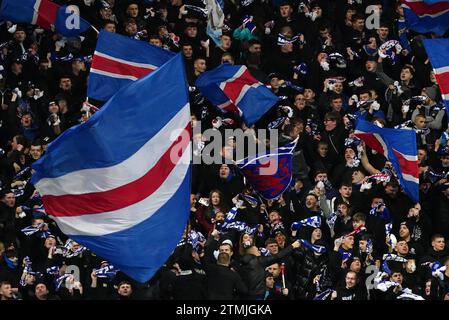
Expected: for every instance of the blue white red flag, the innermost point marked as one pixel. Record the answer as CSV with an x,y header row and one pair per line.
x,y
398,146
438,52
119,60
233,88
424,17
269,173
46,14
119,183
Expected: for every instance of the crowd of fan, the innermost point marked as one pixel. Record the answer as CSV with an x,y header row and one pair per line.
x,y
344,230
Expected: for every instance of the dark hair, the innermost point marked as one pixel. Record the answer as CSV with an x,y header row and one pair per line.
x,y
359,217
357,16
437,235
21,140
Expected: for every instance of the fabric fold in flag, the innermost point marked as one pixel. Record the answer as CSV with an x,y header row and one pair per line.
x,y
399,147
233,88
119,60
46,14
124,191
422,16
269,173
438,51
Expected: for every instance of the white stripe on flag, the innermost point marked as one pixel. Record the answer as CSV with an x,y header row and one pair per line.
x,y
445,96
36,11
382,142
441,70
407,157
244,90
235,76
130,63
113,75
104,179
410,178
109,222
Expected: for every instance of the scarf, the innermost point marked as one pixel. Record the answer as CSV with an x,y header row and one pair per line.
x,y
323,295
314,222
108,271
9,263
314,247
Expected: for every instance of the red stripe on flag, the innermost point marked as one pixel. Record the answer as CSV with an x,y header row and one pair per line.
x,y
371,141
421,8
234,88
120,68
407,166
123,196
47,13
443,82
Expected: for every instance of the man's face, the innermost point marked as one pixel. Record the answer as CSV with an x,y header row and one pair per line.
x,y
36,152
255,48
337,104
280,238
406,75
50,242
285,11
309,94
422,155
323,149
17,68
273,248
41,291
420,122
110,27
311,202
192,32
345,191
131,28
300,102
20,36
26,120
438,244
350,280
330,124
445,161
402,247
357,177
200,65
355,265
106,13
187,51
391,190
338,88
404,232
397,277
125,290
225,249
156,42
321,177
274,217
275,270
383,32
65,84
6,291
364,96
371,66
348,242
225,42
359,24
132,10
224,171
9,199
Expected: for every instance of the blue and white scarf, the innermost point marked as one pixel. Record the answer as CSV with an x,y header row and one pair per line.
x,y
314,222
323,295
314,247
108,271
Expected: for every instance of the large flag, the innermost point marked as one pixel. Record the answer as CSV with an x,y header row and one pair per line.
x,y
118,60
423,17
434,1
269,173
233,88
438,53
119,183
398,146
46,14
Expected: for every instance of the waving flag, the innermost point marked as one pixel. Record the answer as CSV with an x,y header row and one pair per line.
x,y
233,88
270,173
438,53
398,146
423,17
46,14
119,60
119,183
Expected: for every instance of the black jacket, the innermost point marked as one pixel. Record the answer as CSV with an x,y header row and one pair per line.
x,y
224,283
253,270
